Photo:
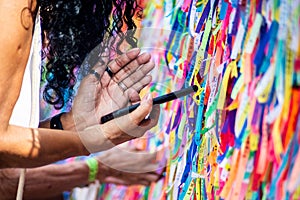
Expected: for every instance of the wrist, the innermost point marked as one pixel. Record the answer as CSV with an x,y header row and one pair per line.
x,y
93,167
55,122
81,170
67,121
103,171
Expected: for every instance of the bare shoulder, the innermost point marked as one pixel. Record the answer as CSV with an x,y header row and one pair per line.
x,y
16,25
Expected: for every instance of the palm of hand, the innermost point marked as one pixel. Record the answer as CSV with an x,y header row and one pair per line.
x,y
110,98
96,98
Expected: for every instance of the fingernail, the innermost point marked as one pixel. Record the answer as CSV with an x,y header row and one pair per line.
x,y
133,50
149,97
145,55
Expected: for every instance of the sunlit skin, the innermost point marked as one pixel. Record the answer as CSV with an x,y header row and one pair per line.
x,y
28,147
33,147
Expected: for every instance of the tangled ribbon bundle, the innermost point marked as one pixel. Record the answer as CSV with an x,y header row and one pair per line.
x,y
238,136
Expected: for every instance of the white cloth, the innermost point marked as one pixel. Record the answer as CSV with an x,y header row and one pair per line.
x,y
85,193
26,110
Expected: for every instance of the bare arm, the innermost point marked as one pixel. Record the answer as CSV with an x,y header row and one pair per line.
x,y
44,182
27,147
23,146
49,181
16,33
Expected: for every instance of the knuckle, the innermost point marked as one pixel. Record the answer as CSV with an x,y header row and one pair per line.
x,y
116,79
139,86
127,70
134,79
136,122
141,73
118,61
148,108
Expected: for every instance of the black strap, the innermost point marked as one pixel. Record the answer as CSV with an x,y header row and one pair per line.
x,y
55,122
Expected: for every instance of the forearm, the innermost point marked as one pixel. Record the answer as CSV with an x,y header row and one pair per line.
x,y
24,147
44,182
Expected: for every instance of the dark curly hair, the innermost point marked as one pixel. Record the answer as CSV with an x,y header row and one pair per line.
x,y
75,27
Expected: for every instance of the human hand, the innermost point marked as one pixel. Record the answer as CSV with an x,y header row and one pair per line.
x,y
99,93
128,167
133,125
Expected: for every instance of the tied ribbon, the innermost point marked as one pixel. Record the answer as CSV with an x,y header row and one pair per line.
x,y
231,71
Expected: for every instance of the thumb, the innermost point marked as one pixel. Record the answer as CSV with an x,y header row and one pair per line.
x,y
143,110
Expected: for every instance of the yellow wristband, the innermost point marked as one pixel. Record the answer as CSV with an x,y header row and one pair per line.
x,y
92,163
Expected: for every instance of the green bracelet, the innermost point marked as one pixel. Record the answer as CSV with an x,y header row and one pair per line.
x,y
92,163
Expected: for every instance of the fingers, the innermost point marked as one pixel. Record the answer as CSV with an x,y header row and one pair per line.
x,y
124,178
133,95
152,177
138,75
132,120
143,110
130,161
107,71
97,72
138,86
126,182
115,180
123,60
153,118
128,127
133,66
122,129
127,69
